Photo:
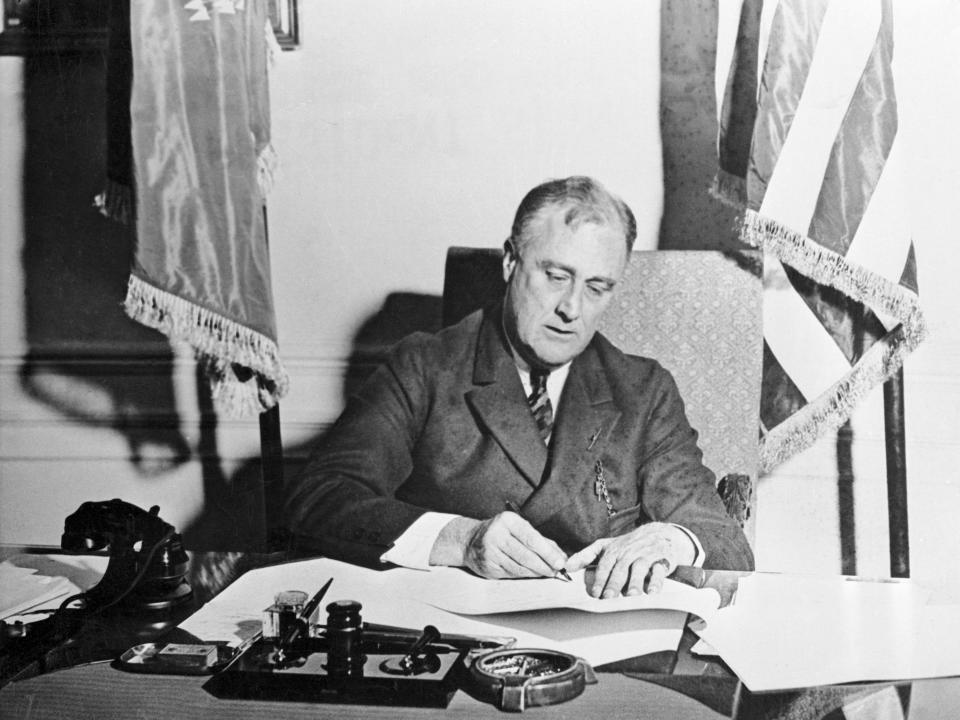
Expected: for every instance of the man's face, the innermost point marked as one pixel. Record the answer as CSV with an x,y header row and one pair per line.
x,y
559,286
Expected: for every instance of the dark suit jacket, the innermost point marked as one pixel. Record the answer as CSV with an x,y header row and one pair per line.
x,y
444,426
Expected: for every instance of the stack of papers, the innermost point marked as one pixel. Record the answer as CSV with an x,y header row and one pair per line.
x,y
30,582
789,631
542,612
22,589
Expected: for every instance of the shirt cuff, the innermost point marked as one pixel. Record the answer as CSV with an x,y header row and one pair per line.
x,y
700,555
412,548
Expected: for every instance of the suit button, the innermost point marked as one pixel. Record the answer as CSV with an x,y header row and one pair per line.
x,y
358,534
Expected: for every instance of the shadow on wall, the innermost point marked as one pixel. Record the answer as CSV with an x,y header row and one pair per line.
x,y
84,356
400,315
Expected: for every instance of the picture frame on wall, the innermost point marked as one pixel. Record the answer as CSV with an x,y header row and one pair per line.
x,y
68,26
285,19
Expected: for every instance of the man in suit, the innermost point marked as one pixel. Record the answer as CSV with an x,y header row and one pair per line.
x,y
519,436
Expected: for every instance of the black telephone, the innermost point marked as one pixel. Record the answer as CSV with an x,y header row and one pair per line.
x,y
143,591
147,565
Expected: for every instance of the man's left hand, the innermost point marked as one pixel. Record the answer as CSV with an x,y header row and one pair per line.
x,y
625,563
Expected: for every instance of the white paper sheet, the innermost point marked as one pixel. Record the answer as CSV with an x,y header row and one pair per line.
x,y
785,632
31,582
457,591
390,597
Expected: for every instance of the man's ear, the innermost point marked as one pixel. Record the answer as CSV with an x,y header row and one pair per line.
x,y
509,259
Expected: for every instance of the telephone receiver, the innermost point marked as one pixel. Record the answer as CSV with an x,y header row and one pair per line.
x,y
147,566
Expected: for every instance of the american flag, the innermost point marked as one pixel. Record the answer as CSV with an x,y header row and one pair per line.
x,y
809,149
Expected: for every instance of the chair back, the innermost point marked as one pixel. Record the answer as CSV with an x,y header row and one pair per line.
x,y
698,313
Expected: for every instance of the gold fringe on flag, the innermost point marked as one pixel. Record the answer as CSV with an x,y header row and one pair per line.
x,y
244,367
834,406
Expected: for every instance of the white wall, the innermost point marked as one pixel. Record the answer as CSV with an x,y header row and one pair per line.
x,y
406,126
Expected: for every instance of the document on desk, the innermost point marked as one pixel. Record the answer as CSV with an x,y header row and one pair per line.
x,y
457,591
22,589
785,632
403,597
30,582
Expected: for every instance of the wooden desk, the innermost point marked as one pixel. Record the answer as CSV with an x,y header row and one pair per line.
x,y
98,692
694,689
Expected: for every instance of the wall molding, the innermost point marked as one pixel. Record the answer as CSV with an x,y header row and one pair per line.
x,y
33,429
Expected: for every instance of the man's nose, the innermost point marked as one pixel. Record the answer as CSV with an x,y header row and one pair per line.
x,y
571,303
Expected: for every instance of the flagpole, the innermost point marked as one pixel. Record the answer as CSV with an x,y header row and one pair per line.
x,y
271,462
895,439
271,474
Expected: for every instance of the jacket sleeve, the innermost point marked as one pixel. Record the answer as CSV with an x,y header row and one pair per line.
x,y
677,487
343,503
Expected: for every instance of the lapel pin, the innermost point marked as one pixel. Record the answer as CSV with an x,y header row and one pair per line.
x,y
593,438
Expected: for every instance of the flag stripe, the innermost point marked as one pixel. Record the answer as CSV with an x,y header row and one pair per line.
x,y
771,8
850,179
808,88
885,223
728,21
843,45
784,75
779,394
795,335
736,81
854,166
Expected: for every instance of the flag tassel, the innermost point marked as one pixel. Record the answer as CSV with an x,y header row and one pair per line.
x,y
829,268
832,408
220,343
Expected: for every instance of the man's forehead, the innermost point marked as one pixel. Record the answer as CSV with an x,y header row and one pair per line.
x,y
560,221
591,249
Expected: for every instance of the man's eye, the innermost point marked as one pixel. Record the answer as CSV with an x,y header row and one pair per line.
x,y
599,289
556,277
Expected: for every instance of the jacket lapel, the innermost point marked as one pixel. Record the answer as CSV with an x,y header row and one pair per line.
x,y
498,401
586,416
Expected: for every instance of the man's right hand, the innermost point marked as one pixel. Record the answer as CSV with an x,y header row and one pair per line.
x,y
504,546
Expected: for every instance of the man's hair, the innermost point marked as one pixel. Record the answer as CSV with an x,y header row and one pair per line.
x,y
585,200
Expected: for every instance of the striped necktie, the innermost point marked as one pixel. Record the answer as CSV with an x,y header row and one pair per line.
x,y
539,403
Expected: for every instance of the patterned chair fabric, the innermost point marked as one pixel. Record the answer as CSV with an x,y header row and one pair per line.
x,y
698,312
